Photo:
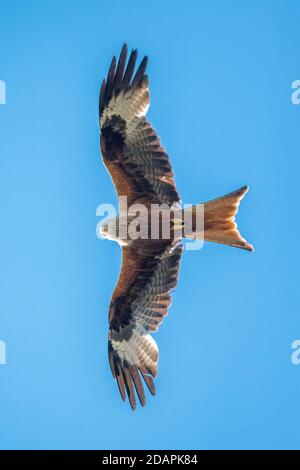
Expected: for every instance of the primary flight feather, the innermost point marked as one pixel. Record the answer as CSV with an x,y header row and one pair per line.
x,y
141,171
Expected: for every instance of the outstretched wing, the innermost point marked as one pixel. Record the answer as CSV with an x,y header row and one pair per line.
x,y
139,303
131,149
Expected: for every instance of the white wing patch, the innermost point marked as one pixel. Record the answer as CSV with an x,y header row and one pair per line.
x,y
140,350
131,105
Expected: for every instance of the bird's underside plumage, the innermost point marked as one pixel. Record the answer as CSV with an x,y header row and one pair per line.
x,y
141,171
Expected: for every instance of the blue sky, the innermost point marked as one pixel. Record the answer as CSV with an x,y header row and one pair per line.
x,y
220,78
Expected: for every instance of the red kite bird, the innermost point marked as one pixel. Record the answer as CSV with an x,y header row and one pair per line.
x,y
141,171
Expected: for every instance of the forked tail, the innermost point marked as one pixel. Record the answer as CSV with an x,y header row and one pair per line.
x,y
219,220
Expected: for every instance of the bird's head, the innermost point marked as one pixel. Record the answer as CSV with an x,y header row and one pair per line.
x,y
115,229
109,229
103,229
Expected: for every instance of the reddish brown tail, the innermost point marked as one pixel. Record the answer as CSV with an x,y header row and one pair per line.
x,y
219,220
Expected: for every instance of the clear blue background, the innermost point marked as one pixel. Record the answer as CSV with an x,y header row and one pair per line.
x,y
221,74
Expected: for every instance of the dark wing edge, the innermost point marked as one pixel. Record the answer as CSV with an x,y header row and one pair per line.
x,y
129,378
120,78
133,353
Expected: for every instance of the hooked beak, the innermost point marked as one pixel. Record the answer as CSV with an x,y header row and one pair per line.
x,y
104,229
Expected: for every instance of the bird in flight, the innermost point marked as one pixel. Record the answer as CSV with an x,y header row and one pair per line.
x,y
141,172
